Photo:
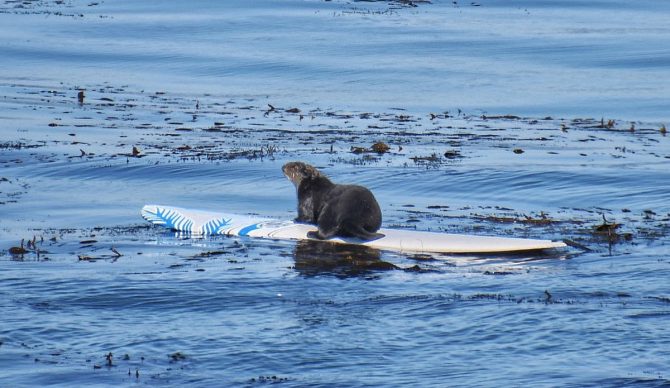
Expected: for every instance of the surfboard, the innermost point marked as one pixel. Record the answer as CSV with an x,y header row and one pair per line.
x,y
199,223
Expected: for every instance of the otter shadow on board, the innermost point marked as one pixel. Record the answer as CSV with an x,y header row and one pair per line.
x,y
314,258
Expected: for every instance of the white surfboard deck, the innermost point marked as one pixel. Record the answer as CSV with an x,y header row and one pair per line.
x,y
198,222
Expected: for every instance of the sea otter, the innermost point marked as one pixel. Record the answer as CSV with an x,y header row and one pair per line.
x,y
338,210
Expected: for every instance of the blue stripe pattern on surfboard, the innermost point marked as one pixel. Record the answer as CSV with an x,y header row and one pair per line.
x,y
169,218
184,222
215,226
245,231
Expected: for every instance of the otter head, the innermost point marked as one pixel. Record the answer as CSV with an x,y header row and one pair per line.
x,y
296,172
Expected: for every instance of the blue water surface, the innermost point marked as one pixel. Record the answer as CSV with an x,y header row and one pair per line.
x,y
498,118
563,58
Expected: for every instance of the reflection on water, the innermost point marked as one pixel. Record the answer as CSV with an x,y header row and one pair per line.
x,y
313,257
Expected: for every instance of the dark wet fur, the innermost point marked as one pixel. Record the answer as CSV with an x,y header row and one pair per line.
x,y
337,210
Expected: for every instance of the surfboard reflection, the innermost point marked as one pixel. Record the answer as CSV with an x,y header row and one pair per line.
x,y
313,257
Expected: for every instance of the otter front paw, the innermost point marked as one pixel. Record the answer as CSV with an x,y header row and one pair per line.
x,y
314,235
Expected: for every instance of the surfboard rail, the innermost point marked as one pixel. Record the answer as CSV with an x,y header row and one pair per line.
x,y
201,223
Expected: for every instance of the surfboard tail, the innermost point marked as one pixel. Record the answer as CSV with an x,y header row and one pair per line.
x,y
168,217
183,220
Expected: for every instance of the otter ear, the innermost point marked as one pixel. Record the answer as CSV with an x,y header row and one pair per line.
x,y
308,170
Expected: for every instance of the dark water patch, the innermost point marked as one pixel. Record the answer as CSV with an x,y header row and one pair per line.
x,y
20,145
646,382
650,315
49,8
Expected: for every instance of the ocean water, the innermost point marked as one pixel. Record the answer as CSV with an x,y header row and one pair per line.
x,y
515,118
